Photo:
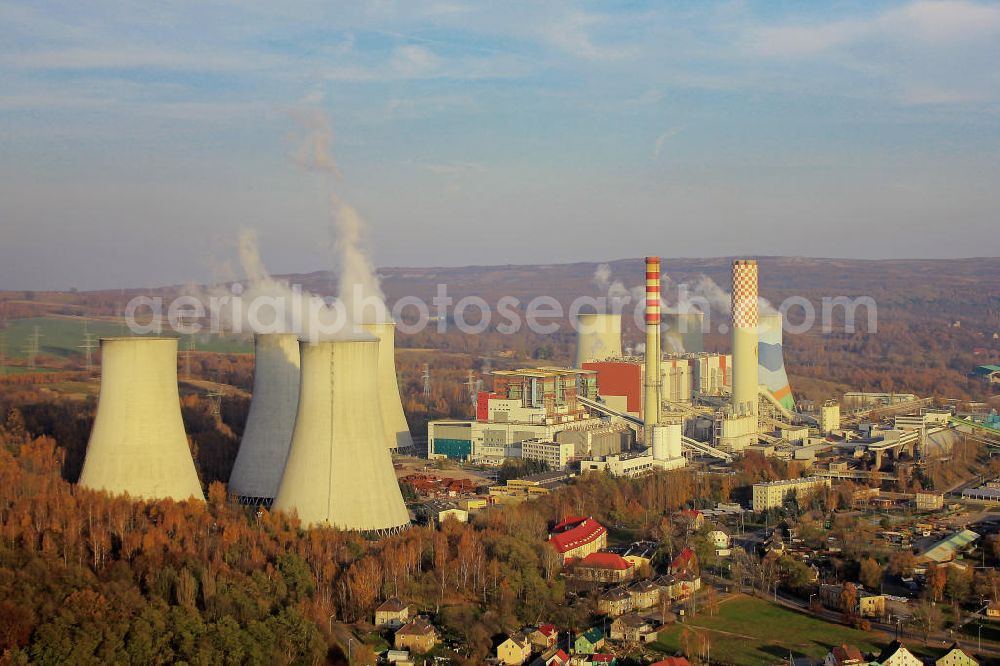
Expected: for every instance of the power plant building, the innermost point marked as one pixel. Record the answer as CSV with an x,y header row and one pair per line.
x,y
137,444
268,434
339,470
532,404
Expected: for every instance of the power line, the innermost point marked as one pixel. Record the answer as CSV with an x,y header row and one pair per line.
x,y
32,346
88,346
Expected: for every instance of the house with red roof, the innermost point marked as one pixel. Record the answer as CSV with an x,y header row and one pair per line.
x,y
578,536
686,561
544,636
673,661
604,567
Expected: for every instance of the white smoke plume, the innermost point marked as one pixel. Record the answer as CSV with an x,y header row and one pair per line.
x,y
358,284
616,292
269,305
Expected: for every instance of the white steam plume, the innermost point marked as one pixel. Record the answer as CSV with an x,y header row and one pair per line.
x,y
358,284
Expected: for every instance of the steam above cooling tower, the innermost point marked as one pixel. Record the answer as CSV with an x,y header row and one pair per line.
x,y
684,332
268,434
744,336
771,359
138,444
598,337
338,472
393,419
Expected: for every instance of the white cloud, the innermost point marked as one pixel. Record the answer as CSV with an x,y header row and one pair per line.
x,y
572,34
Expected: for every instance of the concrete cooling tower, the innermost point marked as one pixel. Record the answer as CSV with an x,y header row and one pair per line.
x,y
683,332
339,471
138,444
771,359
268,434
598,337
393,419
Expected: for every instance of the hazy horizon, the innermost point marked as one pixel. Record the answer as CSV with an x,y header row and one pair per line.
x,y
137,142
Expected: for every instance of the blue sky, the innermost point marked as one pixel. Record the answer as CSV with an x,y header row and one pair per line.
x,y
137,139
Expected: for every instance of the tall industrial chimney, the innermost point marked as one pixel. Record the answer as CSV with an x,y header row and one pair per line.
x,y
651,396
598,337
338,472
138,444
771,359
268,433
744,307
393,419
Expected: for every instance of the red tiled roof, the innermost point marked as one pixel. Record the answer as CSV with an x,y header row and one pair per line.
x,y
694,513
602,658
587,531
561,656
567,522
602,560
546,629
673,661
682,559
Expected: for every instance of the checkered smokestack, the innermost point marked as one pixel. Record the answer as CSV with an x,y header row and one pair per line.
x,y
745,336
651,399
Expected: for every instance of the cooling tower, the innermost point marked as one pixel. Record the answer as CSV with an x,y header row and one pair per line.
x,y
651,396
744,336
771,360
598,337
684,333
393,419
138,445
338,472
268,433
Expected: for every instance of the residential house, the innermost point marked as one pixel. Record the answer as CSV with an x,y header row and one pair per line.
x,y
551,657
418,635
685,584
673,661
544,636
399,657
993,611
686,560
630,628
589,642
844,655
515,650
616,601
392,614
604,567
956,656
895,654
644,593
871,605
693,517
578,536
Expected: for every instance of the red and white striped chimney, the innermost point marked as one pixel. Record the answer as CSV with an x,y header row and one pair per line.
x,y
651,399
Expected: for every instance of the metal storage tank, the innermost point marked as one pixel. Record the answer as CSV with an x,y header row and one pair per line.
x,y
138,444
393,418
598,337
336,474
771,359
684,333
268,433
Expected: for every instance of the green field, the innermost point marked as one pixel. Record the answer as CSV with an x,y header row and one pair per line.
x,y
62,336
751,631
